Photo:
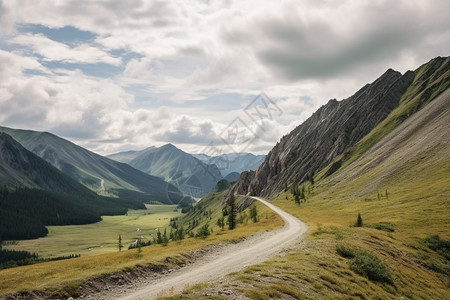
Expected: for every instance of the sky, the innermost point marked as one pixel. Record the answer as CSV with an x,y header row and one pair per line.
x,y
207,76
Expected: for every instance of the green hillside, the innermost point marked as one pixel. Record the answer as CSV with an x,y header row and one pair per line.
x,y
33,193
397,179
189,174
100,174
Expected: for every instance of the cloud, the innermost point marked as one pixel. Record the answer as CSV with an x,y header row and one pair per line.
x,y
188,130
183,70
54,51
320,41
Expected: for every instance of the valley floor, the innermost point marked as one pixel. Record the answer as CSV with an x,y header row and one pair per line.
x,y
100,237
214,265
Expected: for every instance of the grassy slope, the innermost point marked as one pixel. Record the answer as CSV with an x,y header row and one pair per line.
x,y
417,206
66,275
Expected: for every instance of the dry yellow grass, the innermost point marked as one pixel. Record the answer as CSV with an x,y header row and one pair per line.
x,y
60,275
417,206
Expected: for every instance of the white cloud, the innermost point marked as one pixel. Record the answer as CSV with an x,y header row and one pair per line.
x,y
54,51
300,52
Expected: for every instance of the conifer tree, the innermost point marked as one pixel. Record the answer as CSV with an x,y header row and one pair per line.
x,y
165,239
159,239
120,243
359,222
254,213
232,213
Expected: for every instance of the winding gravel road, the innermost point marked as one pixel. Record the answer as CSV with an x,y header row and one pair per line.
x,y
231,259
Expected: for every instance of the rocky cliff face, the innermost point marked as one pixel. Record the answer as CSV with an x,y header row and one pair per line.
x,y
325,135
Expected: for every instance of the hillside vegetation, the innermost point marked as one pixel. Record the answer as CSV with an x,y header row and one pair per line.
x,y
376,203
63,278
397,179
33,194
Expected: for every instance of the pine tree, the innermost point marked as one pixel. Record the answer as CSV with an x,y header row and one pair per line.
x,y
159,239
232,213
139,247
120,243
165,239
254,213
359,222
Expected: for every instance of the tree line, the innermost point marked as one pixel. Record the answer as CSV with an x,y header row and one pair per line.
x,y
24,212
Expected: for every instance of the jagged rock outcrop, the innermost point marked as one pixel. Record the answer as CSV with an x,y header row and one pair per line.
x,y
337,126
241,186
325,135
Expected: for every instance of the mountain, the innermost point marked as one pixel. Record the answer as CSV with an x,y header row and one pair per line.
x,y
128,156
192,176
33,193
100,174
232,177
332,133
396,179
233,162
418,144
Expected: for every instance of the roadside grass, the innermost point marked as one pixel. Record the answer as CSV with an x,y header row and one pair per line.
x,y
64,277
101,237
416,206
414,212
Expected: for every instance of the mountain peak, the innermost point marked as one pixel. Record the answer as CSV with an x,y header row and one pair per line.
x,y
325,135
168,146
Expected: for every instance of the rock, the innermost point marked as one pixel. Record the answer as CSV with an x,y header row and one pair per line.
x,y
328,133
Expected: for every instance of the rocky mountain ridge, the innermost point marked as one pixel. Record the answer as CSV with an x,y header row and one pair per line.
x,y
337,126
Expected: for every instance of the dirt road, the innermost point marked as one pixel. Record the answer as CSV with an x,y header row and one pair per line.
x,y
230,259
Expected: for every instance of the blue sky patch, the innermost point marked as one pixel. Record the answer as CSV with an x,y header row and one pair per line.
x,y
68,35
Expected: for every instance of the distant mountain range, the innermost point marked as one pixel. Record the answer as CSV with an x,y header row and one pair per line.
x,y
233,162
102,175
193,174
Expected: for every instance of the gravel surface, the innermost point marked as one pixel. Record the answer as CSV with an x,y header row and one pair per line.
x,y
215,264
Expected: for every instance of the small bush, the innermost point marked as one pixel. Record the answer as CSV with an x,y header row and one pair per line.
x,y
345,251
384,226
442,247
203,232
370,266
365,263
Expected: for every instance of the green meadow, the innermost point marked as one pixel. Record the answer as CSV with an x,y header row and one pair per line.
x,y
101,237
